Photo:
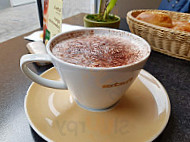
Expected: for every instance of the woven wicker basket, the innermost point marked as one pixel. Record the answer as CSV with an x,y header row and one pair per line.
x,y
168,41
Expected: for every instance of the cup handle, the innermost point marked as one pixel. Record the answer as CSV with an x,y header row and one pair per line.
x,y
30,58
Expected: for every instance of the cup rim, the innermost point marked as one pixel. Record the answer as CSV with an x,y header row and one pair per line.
x,y
98,68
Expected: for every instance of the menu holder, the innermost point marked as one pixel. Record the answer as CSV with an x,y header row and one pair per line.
x,y
52,19
52,25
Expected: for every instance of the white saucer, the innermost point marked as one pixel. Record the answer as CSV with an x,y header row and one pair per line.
x,y
141,115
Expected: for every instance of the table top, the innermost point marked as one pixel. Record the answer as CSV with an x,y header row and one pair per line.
x,y
173,73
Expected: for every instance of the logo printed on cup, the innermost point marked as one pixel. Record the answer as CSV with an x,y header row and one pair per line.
x,y
117,84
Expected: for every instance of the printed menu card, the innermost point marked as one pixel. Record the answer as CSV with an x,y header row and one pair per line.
x,y
52,19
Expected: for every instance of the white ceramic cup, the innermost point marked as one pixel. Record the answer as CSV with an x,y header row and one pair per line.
x,y
93,88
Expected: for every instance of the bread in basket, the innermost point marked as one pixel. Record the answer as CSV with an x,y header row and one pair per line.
x,y
169,41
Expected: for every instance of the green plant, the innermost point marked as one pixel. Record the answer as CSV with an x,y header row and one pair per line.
x,y
108,8
104,12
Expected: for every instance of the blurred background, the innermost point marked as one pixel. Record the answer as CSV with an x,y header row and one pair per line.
x,y
21,16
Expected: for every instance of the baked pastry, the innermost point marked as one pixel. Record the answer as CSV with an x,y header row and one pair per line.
x,y
181,25
156,18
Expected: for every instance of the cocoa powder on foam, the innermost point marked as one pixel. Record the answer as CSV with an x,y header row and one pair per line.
x,y
98,51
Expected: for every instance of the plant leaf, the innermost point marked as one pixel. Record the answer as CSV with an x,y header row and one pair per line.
x,y
109,7
100,6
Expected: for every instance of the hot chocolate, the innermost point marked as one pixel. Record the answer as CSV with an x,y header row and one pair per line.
x,y
98,51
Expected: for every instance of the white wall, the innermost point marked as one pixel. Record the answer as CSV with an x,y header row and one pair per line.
x,y
73,7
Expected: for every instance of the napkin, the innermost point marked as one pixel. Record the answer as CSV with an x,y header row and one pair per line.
x,y
38,36
38,47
